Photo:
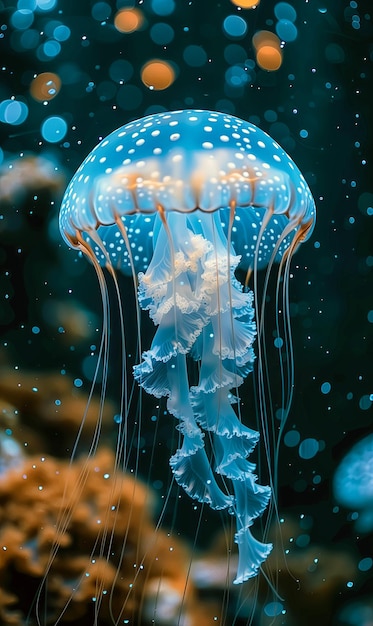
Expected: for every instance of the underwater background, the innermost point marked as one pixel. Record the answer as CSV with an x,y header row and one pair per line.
x,y
70,73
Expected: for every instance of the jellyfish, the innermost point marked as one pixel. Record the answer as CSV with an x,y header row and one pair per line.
x,y
190,205
353,483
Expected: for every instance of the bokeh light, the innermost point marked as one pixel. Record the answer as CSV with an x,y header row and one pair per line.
x,y
195,56
54,129
285,11
29,39
128,20
163,7
235,26
26,4
101,11
61,32
13,112
334,53
234,53
157,74
268,50
236,76
46,5
120,71
269,58
286,30
45,86
22,19
246,4
48,50
308,448
162,33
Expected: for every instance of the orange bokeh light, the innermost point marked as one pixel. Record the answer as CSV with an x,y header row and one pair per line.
x,y
265,38
246,4
128,20
268,50
45,86
157,74
269,58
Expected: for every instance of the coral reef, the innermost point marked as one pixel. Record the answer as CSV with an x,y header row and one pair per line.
x,y
77,538
91,532
44,410
28,174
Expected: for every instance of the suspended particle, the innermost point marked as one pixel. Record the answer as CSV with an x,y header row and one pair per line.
x,y
157,74
45,86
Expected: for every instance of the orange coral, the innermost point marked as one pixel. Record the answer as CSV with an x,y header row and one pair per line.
x,y
30,173
87,535
57,423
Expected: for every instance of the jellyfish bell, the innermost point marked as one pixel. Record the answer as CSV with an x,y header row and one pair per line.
x,y
181,202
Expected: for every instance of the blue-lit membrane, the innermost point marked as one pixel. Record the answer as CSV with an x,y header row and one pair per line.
x,y
353,483
179,201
